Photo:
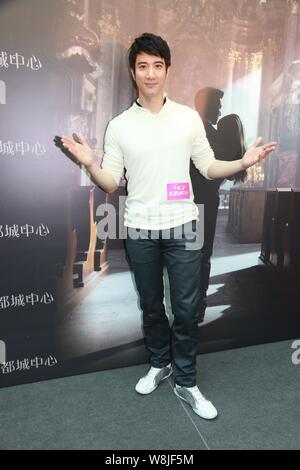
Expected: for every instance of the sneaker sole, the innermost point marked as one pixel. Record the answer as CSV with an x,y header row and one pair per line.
x,y
152,390
194,409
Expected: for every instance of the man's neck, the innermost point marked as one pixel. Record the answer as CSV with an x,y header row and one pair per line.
x,y
153,103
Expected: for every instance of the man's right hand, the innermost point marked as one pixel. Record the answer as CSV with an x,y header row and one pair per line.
x,y
82,154
81,151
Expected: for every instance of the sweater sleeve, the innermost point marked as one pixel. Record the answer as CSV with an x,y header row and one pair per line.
x,y
113,159
202,154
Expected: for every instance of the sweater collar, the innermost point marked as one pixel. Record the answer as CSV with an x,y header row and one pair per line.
x,y
139,108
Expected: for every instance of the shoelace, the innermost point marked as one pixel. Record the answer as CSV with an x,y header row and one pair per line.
x,y
197,394
153,371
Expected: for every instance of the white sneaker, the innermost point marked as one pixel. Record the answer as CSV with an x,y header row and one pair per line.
x,y
198,402
151,381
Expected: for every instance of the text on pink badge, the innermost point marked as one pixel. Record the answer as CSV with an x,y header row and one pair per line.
x,y
178,191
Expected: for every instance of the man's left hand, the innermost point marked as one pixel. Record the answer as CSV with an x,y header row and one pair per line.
x,y
257,152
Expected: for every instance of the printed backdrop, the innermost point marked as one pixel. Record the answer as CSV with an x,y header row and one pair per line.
x,y
67,300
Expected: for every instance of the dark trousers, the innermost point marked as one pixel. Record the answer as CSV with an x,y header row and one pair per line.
x,y
176,344
210,221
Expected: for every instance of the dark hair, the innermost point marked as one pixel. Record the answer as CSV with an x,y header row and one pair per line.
x,y
209,93
232,140
207,103
150,44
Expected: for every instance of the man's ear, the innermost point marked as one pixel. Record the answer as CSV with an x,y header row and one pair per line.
x,y
132,74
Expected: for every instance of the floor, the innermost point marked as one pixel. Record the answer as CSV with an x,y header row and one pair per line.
x,y
255,389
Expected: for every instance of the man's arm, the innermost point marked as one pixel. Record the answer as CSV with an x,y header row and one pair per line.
x,y
85,156
102,178
255,153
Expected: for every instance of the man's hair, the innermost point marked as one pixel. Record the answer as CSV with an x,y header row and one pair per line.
x,y
207,100
150,44
208,95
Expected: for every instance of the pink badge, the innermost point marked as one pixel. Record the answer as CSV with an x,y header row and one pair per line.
x,y
178,191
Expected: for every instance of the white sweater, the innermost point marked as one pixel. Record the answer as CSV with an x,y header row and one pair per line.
x,y
155,151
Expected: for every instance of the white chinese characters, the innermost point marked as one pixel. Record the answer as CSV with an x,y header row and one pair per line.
x,y
22,300
19,61
27,230
22,148
27,364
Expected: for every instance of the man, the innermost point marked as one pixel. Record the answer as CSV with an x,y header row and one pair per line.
x,y
154,140
206,192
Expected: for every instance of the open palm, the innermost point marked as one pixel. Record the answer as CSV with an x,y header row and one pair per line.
x,y
257,152
81,151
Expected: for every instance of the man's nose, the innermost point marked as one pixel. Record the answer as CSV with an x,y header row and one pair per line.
x,y
150,72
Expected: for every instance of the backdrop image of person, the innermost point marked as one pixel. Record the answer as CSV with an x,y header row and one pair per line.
x,y
227,142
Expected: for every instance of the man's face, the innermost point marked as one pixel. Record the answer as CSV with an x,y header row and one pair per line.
x,y
214,110
150,75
